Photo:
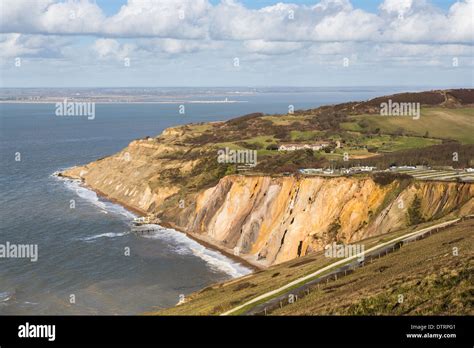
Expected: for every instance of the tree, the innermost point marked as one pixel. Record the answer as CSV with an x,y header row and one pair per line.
x,y
414,212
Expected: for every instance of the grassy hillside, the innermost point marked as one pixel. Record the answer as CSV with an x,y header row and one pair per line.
x,y
422,278
457,124
219,298
447,119
366,138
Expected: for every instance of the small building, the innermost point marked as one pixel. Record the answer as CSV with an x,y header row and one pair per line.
x,y
362,169
294,147
402,167
309,171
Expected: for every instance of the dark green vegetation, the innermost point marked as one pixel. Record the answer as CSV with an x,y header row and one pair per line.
x,y
445,126
356,133
414,212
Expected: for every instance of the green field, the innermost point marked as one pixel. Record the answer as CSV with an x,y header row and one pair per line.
x,y
297,135
457,124
387,143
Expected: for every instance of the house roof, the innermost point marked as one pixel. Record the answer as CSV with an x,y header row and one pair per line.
x,y
306,144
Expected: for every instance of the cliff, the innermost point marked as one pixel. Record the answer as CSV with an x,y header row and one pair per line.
x,y
266,219
273,220
270,217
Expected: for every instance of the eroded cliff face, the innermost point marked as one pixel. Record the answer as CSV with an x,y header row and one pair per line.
x,y
266,220
134,176
273,220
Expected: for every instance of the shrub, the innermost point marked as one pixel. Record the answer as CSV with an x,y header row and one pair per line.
x,y
272,147
384,179
414,212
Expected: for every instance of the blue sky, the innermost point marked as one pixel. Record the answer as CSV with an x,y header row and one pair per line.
x,y
236,43
112,6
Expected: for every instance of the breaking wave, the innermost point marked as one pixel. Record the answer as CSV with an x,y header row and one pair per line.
x,y
91,197
177,241
183,245
104,235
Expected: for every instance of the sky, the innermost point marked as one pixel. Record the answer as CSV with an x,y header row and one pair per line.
x,y
144,43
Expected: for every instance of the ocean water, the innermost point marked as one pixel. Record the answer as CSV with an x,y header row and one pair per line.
x,y
82,267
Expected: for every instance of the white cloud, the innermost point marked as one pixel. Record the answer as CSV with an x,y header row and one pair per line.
x,y
164,18
72,17
326,21
193,36
174,46
398,7
112,49
22,16
232,21
460,22
336,5
272,47
19,45
329,20
352,25
50,17
420,22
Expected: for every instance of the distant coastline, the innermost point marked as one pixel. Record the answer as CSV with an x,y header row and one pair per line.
x,y
125,102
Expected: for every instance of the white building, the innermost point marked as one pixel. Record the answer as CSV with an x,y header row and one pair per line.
x,y
294,147
402,167
311,170
362,169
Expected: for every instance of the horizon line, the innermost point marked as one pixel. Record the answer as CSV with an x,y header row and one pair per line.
x,y
245,86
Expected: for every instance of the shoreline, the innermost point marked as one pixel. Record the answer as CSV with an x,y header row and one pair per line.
x,y
209,245
166,224
131,102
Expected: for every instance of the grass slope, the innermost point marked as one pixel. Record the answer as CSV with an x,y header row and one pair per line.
x,y
219,298
457,124
422,278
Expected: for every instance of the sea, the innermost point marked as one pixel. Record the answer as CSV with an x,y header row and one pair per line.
x,y
88,261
